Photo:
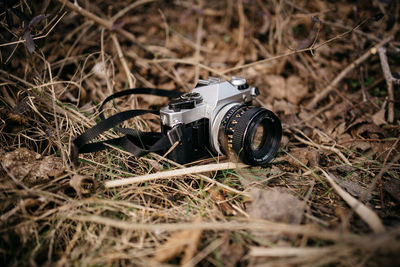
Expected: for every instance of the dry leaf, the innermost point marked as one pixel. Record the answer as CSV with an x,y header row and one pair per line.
x,y
276,205
191,248
339,130
364,127
312,156
338,110
393,188
345,139
30,167
18,118
361,145
84,186
50,166
322,137
307,156
18,113
299,154
276,85
173,247
221,201
20,162
351,187
285,107
296,90
185,242
368,130
230,253
379,117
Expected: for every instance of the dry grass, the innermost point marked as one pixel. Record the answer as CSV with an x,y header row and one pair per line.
x,y
331,197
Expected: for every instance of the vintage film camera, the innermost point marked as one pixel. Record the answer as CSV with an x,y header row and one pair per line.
x,y
217,118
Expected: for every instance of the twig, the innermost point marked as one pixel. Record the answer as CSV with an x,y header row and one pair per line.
x,y
55,111
389,82
370,241
242,21
359,48
187,61
166,27
5,73
37,37
205,178
129,8
189,42
360,32
262,61
121,57
368,215
199,35
103,62
105,23
215,226
206,251
108,24
228,14
174,173
329,148
290,251
131,79
325,92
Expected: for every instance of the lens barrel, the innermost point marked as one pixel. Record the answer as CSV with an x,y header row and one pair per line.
x,y
253,133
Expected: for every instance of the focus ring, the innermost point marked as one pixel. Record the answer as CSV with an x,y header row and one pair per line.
x,y
240,129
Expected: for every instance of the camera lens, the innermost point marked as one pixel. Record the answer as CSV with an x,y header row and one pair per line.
x,y
254,134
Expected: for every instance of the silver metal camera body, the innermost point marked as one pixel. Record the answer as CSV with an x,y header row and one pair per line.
x,y
216,96
210,113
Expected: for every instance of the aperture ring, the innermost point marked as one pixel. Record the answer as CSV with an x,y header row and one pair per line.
x,y
230,124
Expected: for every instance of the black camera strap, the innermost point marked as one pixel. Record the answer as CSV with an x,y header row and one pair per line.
x,y
134,141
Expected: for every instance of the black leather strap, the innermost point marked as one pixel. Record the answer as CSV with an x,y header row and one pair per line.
x,y
134,141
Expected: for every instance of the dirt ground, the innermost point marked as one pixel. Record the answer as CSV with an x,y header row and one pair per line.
x,y
329,70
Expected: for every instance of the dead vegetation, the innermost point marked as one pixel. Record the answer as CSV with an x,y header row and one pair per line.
x,y
329,69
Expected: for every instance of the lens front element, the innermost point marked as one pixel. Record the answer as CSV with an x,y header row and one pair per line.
x,y
258,139
254,134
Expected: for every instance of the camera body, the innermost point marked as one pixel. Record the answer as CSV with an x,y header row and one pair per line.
x,y
215,118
